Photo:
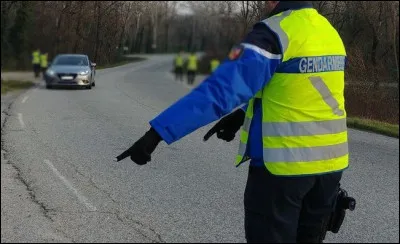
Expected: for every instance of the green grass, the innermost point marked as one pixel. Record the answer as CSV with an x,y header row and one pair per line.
x,y
15,70
125,60
12,85
374,126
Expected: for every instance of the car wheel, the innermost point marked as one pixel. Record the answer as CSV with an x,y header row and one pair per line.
x,y
48,86
89,87
93,84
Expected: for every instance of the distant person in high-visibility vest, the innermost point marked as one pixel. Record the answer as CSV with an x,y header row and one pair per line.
x,y
36,62
178,62
214,63
191,68
43,62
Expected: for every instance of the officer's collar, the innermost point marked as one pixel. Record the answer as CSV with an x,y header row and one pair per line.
x,y
286,5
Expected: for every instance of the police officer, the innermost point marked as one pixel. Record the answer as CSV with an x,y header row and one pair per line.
x,y
179,66
36,62
214,63
289,73
43,62
191,68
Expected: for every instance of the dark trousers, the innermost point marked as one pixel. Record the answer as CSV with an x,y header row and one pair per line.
x,y
43,70
281,209
191,75
36,70
179,73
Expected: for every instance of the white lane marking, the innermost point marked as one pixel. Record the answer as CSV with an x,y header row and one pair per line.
x,y
21,121
80,197
25,98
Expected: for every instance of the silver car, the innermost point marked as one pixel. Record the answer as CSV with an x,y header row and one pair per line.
x,y
70,70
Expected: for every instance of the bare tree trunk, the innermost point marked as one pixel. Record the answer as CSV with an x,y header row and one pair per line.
x,y
245,16
166,36
58,27
96,44
78,26
121,38
375,43
155,20
139,42
394,13
135,38
149,38
192,46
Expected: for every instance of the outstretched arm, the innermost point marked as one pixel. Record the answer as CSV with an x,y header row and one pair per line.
x,y
232,84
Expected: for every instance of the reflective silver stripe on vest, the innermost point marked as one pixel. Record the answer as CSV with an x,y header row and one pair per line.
x,y
305,154
246,127
274,24
323,89
246,124
242,148
304,128
261,51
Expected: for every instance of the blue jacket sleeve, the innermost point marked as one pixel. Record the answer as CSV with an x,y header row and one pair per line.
x,y
232,84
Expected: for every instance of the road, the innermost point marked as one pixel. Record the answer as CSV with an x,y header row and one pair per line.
x,y
62,142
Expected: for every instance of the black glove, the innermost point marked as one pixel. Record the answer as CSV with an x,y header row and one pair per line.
x,y
227,127
141,151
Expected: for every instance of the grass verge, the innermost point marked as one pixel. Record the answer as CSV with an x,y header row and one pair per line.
x,y
125,60
374,126
12,85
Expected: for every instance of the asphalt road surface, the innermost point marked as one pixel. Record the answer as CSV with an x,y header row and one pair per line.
x,y
63,142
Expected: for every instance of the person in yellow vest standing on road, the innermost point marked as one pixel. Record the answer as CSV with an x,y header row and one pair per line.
x,y
191,68
214,64
36,62
179,66
43,62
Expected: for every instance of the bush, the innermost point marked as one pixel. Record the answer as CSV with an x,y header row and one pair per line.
x,y
377,104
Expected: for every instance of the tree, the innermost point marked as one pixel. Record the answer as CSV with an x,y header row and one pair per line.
x,y
18,35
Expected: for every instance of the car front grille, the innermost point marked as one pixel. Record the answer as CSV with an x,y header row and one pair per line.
x,y
66,74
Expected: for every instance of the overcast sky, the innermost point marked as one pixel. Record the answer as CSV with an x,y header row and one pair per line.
x,y
183,9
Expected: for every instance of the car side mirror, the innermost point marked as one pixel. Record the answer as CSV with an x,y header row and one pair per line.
x,y
93,64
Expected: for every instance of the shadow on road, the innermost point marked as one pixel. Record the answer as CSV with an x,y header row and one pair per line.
x,y
62,88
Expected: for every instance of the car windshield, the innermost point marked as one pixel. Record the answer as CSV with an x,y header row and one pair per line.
x,y
71,60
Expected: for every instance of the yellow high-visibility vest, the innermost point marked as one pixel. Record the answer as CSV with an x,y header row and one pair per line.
x,y
43,60
179,61
214,64
192,63
36,57
304,128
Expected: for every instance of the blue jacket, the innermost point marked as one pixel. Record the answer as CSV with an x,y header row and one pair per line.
x,y
231,85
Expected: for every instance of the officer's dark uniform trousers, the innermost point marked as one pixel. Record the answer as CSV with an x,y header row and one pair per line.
x,y
280,209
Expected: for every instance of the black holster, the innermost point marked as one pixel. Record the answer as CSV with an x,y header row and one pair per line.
x,y
343,202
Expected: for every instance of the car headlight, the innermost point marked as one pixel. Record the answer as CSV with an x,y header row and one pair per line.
x,y
50,72
84,72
